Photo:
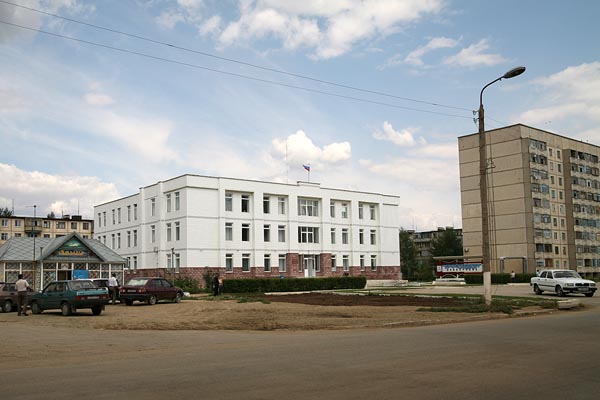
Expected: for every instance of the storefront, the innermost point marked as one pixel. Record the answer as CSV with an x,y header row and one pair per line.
x,y
43,260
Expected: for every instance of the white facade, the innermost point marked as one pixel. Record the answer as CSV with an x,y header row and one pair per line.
x,y
242,226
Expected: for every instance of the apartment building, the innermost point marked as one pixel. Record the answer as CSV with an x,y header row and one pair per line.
x,y
544,200
48,228
246,228
423,240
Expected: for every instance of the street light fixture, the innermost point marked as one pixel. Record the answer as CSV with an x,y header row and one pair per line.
x,y
483,189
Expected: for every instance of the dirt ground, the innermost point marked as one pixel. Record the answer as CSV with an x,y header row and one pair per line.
x,y
309,311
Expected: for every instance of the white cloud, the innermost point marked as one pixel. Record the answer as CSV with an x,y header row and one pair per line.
x,y
475,55
299,149
98,99
415,57
404,138
329,28
188,11
210,26
55,193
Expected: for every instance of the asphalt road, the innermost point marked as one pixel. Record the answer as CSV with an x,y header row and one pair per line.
x,y
554,355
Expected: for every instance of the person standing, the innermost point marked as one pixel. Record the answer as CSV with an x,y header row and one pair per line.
x,y
215,285
220,286
22,286
113,287
513,277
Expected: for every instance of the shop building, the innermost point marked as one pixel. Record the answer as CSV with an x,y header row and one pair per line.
x,y
44,260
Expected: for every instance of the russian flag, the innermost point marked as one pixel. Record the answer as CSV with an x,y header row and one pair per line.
x,y
306,167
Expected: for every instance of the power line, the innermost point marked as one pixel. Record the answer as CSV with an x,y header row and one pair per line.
x,y
233,60
229,73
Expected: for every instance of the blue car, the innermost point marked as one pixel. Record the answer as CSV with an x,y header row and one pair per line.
x,y
69,296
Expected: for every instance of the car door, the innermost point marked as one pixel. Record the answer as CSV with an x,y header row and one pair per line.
x,y
549,281
169,290
49,297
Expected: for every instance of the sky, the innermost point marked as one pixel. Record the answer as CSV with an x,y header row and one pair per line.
x,y
100,98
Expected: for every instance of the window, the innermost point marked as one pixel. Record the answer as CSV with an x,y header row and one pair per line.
x,y
266,205
99,221
228,262
135,238
119,215
362,262
245,232
308,207
112,241
245,203
281,233
559,167
245,262
5,221
558,153
59,225
344,210
228,202
177,201
281,205
333,263
345,236
128,213
168,232
168,202
152,207
104,218
152,233
332,209
4,236
267,233
360,211
229,231
128,238
74,225
372,211
308,234
267,263
346,263
86,225
332,235
135,212
169,265
282,266
373,263
361,235
373,236
135,265
177,231
113,216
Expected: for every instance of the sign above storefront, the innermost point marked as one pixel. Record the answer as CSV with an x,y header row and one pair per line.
x,y
73,249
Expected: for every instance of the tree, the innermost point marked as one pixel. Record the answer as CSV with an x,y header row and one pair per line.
x,y
408,255
447,243
51,215
5,212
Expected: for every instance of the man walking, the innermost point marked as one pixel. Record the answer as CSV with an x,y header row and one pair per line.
x,y
113,286
22,285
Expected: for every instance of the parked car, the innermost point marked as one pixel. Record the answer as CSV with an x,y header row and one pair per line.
x,y
8,296
562,281
70,296
150,290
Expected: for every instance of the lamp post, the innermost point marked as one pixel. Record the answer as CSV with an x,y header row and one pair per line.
x,y
483,189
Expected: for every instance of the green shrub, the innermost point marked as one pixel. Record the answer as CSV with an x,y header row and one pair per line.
x,y
263,285
188,284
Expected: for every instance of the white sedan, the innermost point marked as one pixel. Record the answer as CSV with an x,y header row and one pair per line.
x,y
562,281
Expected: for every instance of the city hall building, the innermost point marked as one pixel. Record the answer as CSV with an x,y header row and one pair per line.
x,y
243,228
43,260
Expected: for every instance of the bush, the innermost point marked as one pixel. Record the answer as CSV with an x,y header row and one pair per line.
x,y
498,279
188,284
263,285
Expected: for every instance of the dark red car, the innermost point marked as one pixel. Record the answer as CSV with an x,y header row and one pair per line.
x,y
150,290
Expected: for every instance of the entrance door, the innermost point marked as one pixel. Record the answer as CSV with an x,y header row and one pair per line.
x,y
63,275
309,266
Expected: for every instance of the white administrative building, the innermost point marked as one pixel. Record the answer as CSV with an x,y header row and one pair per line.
x,y
245,228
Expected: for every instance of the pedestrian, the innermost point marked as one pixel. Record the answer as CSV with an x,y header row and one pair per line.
x,y
22,286
113,287
513,277
215,285
220,285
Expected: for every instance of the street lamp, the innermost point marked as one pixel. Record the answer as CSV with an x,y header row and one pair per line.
x,y
33,224
483,189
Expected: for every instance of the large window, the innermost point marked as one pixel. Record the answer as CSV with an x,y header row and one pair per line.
x,y
245,232
228,202
177,201
345,236
332,209
168,202
168,232
361,236
229,231
346,263
281,233
152,233
333,263
267,233
360,211
267,263
229,262
332,235
362,262
128,238
308,207
282,263
135,238
266,204
281,205
135,212
245,203
128,213
373,263
308,234
372,211
373,236
177,231
152,207
245,262
344,210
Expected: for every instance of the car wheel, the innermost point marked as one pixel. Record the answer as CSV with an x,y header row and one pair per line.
x,y
177,298
35,308
152,300
589,294
7,306
559,291
65,309
97,310
128,302
536,289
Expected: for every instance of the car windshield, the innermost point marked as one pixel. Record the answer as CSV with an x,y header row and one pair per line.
x,y
137,282
81,285
566,274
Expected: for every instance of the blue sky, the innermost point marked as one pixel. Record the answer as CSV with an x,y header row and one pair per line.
x,y
82,124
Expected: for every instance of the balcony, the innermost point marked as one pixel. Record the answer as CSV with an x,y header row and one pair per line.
x,y
33,225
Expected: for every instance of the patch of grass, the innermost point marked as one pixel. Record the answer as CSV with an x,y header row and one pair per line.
x,y
506,305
